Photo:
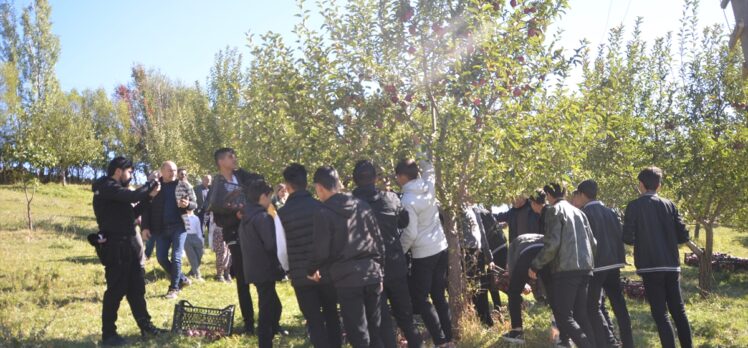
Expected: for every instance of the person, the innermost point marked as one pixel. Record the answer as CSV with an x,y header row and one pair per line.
x,y
280,195
118,250
520,218
226,203
654,227
498,244
201,191
425,239
150,243
609,259
477,256
182,175
223,254
163,220
194,245
261,266
391,217
317,301
347,242
568,250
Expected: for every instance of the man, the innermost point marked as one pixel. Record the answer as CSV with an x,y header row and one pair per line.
x,y
391,217
201,191
280,196
118,248
568,250
226,203
520,218
425,239
261,266
498,245
348,242
654,227
317,301
163,220
609,259
182,175
477,256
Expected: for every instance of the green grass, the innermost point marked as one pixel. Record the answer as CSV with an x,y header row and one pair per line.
x,y
51,286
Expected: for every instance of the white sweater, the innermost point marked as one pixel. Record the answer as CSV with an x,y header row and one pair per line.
x,y
424,235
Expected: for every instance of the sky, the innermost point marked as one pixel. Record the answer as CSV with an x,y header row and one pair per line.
x,y
102,40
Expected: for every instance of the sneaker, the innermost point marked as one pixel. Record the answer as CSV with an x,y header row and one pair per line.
x,y
172,294
149,330
114,341
280,331
184,283
227,278
219,278
514,336
564,344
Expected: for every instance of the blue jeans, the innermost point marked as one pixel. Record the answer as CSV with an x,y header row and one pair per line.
x,y
173,237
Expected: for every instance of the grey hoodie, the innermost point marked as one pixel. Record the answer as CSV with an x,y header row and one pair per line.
x,y
424,235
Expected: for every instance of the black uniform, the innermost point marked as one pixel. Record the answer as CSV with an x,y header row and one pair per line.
x,y
225,217
391,217
347,240
115,215
317,301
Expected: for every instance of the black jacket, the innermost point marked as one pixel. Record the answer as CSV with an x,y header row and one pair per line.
x,y
468,239
297,217
153,214
495,236
223,214
391,217
347,239
654,227
520,220
259,249
113,207
606,226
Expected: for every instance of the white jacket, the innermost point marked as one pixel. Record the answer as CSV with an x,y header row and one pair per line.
x,y
424,235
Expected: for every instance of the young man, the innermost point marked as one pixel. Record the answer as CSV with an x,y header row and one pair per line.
x,y
317,301
226,204
520,218
478,256
609,259
654,227
194,245
498,245
201,191
391,217
425,239
163,220
568,251
261,266
118,249
347,241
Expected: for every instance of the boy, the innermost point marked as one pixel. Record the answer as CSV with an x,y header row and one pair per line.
x,y
260,262
654,227
194,244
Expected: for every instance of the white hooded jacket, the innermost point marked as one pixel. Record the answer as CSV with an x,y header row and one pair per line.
x,y
424,235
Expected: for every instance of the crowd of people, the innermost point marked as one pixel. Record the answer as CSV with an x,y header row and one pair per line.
x,y
375,258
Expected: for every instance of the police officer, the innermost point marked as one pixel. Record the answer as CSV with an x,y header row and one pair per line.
x,y
116,207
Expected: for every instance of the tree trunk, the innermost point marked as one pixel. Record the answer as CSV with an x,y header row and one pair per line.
x,y
455,276
706,276
63,177
29,198
696,231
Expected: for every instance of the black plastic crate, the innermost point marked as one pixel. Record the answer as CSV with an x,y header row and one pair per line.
x,y
201,321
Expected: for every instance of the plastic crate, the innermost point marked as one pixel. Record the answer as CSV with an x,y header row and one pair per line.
x,y
201,321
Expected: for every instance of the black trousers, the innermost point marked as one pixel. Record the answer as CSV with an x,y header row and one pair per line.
x,y
517,280
125,277
610,281
429,278
475,270
569,304
270,313
360,307
663,294
242,288
318,304
499,258
401,307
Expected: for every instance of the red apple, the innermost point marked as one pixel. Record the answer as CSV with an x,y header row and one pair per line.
x,y
379,124
513,3
412,50
477,101
532,32
520,59
409,97
412,29
517,92
394,99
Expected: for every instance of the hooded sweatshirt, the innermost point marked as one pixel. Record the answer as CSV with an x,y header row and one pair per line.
x,y
348,242
424,235
259,246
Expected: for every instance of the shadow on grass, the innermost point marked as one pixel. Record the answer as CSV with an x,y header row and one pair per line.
x,y
72,227
82,260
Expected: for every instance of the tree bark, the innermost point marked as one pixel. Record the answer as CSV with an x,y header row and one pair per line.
x,y
706,275
455,276
29,198
63,177
696,231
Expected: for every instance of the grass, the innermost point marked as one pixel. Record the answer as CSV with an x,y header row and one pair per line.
x,y
51,286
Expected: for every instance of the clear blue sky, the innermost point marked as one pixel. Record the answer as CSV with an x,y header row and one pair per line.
x,y
101,40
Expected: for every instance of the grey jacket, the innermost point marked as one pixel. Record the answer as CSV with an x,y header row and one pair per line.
x,y
568,244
